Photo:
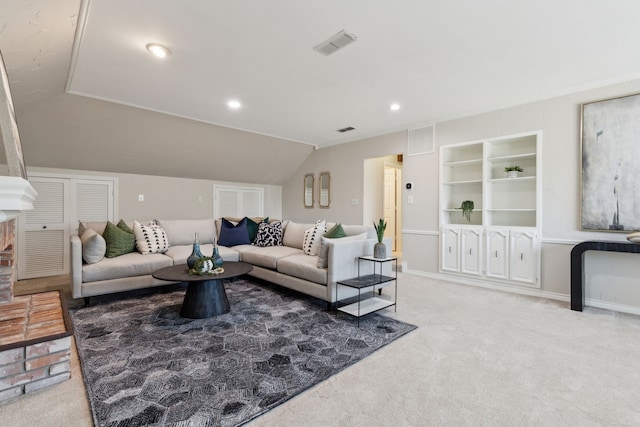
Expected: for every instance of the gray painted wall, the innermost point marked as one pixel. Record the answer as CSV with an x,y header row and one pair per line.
x,y
609,277
118,138
167,197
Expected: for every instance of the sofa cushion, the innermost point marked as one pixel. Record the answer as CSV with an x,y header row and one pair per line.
x,y
252,227
119,241
303,267
269,234
231,235
268,257
94,247
335,232
323,252
127,265
311,241
150,239
180,253
183,231
293,234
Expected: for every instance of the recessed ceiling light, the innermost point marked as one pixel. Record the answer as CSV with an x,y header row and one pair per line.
x,y
234,104
158,50
394,107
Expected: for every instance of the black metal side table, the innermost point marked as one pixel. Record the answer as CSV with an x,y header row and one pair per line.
x,y
366,285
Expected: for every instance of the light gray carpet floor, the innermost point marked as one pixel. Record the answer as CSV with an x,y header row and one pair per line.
x,y
478,357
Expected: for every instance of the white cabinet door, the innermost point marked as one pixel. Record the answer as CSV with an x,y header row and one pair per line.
x,y
523,256
471,251
497,254
449,245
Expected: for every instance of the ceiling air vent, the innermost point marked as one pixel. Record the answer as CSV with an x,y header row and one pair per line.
x,y
347,129
336,42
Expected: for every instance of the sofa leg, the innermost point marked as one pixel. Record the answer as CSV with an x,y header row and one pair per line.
x,y
87,301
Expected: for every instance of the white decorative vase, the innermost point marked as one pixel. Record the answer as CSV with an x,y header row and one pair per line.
x,y
512,174
379,250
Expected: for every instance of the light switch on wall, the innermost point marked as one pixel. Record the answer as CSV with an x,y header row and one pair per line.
x,y
410,200
354,201
141,197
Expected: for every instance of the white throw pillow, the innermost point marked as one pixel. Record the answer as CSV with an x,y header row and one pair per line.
x,y
94,247
150,239
312,238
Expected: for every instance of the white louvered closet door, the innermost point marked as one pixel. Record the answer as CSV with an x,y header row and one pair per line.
x,y
93,201
43,248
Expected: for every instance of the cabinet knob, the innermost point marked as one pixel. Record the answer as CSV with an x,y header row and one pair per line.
x,y
521,256
496,254
449,249
44,226
469,251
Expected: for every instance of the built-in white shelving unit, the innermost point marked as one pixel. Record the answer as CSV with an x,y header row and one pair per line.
x,y
501,240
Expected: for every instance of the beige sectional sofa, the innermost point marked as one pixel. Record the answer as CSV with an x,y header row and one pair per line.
x,y
287,265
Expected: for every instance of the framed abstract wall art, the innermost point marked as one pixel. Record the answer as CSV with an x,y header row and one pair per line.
x,y
610,139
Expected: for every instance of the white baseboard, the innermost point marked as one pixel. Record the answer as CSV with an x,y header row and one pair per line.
x,y
491,285
612,306
606,305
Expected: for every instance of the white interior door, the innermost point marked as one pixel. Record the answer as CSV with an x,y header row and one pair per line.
x,y
390,203
43,233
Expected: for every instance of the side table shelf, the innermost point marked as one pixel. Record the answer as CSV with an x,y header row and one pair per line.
x,y
367,301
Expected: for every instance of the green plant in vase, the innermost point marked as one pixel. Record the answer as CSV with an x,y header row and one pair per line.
x,y
513,171
467,209
380,249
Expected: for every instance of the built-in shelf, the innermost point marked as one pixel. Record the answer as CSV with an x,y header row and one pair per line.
x,y
464,163
506,220
511,210
474,181
501,159
512,180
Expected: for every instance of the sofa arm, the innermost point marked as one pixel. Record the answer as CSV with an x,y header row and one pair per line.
x,y
76,266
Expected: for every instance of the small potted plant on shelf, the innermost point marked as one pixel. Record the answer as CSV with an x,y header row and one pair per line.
x,y
467,209
513,171
380,249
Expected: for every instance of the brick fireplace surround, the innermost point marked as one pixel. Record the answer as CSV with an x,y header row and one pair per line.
x,y
35,330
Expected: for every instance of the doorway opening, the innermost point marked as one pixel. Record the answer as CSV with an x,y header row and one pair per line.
x,y
382,196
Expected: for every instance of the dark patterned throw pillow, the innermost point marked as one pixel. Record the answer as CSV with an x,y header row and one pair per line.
x,y
269,234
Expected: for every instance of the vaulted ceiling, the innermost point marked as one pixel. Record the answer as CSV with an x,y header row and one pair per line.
x,y
436,59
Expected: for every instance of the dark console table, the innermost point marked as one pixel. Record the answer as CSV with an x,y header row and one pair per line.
x,y
577,282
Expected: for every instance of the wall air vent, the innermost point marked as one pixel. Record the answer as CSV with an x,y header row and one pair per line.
x,y
347,129
336,42
421,141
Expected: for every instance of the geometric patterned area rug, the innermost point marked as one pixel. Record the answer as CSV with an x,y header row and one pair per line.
x,y
143,364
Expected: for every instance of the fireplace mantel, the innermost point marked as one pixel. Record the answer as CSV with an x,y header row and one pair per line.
x,y
16,195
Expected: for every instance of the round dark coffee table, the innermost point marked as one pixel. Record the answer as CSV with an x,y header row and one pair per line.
x,y
205,295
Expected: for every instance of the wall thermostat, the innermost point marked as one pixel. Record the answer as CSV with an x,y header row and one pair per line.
x,y
409,185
